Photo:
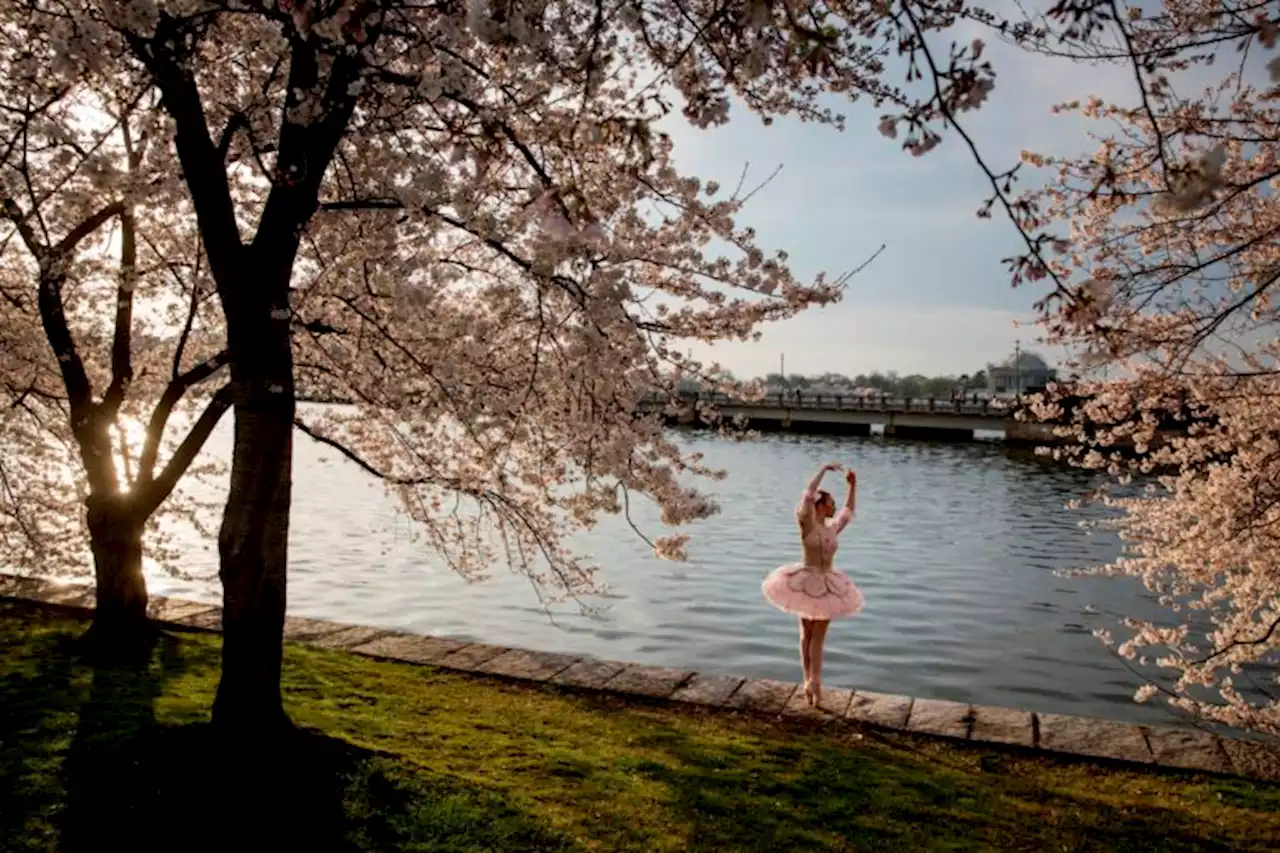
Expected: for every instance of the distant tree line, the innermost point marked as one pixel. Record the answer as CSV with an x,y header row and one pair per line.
x,y
889,382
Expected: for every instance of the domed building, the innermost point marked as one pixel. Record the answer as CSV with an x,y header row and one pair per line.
x,y
1020,373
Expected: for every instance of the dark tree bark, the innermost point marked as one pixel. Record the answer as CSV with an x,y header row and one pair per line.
x,y
253,286
120,631
253,543
253,549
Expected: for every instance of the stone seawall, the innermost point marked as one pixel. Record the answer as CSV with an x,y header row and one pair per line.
x,y
1161,747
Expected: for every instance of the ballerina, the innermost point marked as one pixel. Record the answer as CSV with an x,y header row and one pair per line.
x,y
812,589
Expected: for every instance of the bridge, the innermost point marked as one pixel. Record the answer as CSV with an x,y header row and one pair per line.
x,y
924,418
939,418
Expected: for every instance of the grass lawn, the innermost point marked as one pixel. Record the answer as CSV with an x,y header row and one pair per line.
x,y
394,757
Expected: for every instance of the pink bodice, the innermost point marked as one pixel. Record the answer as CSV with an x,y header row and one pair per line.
x,y
822,540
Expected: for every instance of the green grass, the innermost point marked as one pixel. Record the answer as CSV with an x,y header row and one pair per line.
x,y
394,757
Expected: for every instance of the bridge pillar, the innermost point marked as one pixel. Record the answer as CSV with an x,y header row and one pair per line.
x,y
928,433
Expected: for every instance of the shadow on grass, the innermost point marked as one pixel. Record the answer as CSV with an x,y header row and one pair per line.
x,y
86,766
179,788
876,796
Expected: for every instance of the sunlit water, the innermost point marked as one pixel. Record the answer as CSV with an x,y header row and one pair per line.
x,y
955,547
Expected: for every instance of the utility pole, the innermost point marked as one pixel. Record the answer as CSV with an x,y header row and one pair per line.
x,y
1017,367
782,366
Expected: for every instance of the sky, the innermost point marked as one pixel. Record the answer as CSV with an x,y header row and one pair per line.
x,y
937,300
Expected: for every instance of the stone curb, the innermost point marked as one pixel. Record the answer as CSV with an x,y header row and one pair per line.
x,y
1062,734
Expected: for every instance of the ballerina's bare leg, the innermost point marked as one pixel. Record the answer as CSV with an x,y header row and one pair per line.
x,y
806,661
817,638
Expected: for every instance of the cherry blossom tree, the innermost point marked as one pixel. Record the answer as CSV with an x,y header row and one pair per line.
x,y
466,189
97,272
1160,251
467,218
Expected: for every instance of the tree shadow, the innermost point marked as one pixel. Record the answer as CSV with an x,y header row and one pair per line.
x,y
38,704
166,788
186,788
86,765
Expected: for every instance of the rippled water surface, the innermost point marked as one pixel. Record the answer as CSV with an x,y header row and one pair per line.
x,y
955,547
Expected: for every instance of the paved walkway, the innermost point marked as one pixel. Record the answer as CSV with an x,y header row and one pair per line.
x,y
1051,733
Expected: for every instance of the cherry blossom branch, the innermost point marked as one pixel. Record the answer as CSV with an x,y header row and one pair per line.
x,y
193,306
391,339
24,517
353,456
173,393
29,237
156,491
203,168
1027,37
485,496
305,150
626,514
122,343
236,123
564,282
1032,243
1235,644
32,389
53,263
45,254
1158,141
87,226
32,112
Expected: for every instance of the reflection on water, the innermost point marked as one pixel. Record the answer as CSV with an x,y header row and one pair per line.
x,y
955,547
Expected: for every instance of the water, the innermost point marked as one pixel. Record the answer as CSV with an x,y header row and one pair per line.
x,y
955,546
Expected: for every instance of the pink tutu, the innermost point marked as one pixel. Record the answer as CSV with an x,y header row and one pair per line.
x,y
812,593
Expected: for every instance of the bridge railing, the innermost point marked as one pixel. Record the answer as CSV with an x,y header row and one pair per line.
x,y
991,408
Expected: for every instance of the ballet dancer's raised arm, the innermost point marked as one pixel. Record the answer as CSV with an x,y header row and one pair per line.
x,y
850,504
805,512
812,489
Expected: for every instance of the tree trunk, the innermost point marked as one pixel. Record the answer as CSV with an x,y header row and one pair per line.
x,y
121,631
253,551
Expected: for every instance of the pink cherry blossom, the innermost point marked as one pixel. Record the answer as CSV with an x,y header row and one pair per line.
x,y
1164,292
